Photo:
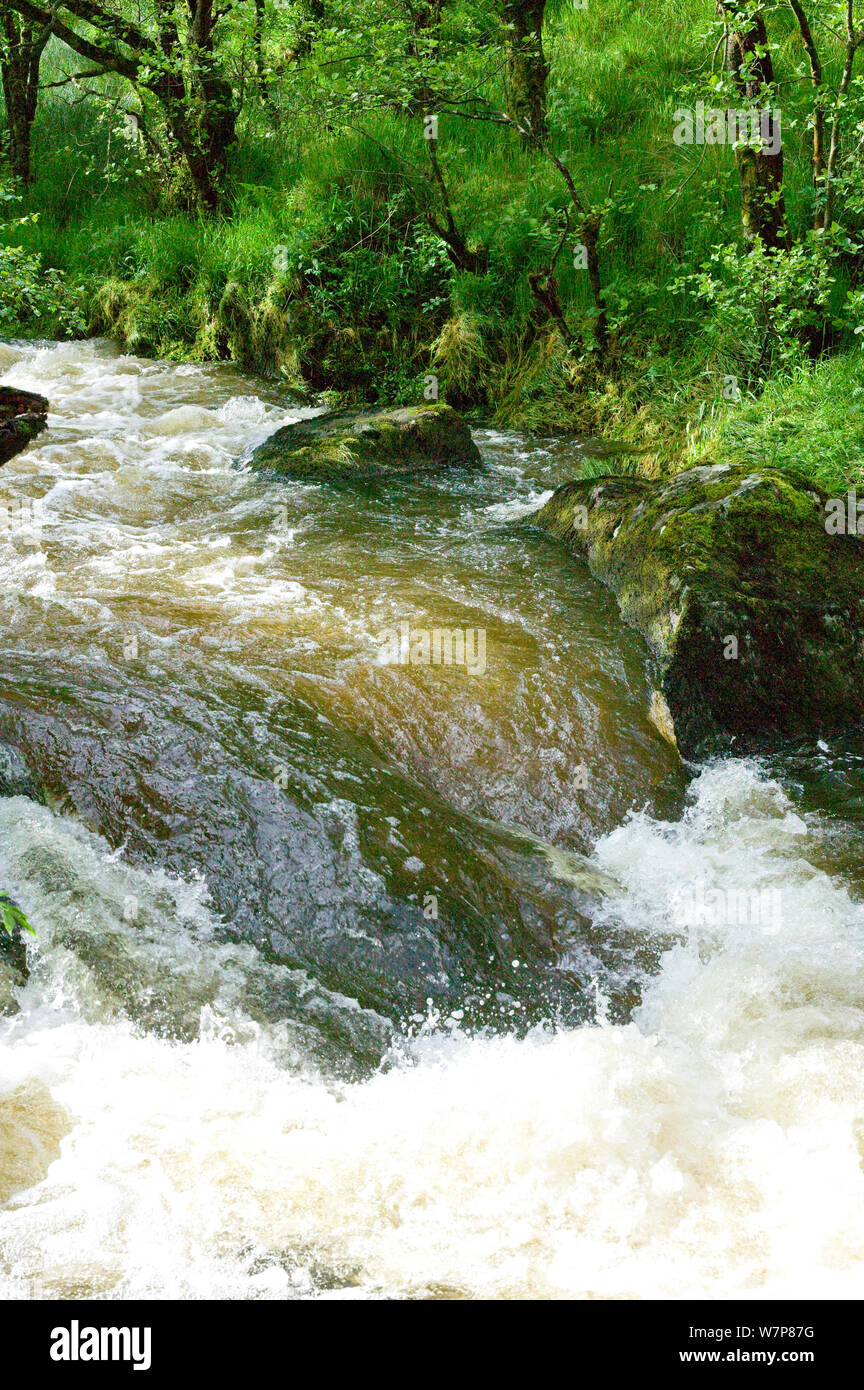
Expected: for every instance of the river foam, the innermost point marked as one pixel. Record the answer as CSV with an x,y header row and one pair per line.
x,y
711,1147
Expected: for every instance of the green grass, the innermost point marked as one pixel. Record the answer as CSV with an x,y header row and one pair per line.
x,y
327,276
810,422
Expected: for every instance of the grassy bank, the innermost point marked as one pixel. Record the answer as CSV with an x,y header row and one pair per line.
x,y
328,277
808,421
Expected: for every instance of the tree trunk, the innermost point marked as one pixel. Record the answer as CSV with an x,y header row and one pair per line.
x,y
854,41
213,104
22,47
748,59
818,108
526,67
258,46
312,22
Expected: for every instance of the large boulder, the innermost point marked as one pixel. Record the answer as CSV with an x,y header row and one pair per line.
x,y
753,613
23,415
355,444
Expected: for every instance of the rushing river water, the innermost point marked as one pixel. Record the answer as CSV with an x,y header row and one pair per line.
x,y
358,979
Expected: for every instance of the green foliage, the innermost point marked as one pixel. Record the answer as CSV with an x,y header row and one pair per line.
x,y
808,420
767,311
610,466
11,916
33,298
327,274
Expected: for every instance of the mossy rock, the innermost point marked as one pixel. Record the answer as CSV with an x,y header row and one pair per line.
x,y
753,614
23,416
355,444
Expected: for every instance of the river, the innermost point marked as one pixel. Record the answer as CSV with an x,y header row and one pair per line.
x,y
363,979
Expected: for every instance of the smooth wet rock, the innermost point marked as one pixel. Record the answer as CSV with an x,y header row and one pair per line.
x,y
752,612
23,416
13,968
356,444
15,775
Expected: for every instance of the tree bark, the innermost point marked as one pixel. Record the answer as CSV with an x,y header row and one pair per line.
x,y
458,251
527,70
23,44
818,107
212,98
854,39
748,60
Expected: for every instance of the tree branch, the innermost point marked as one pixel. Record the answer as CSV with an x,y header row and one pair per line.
x,y
816,77
107,60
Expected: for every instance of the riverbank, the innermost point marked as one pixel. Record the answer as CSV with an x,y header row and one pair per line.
x,y
324,272
208,293
665,414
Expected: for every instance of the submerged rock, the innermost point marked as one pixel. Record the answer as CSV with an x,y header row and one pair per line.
x,y
370,443
23,416
753,613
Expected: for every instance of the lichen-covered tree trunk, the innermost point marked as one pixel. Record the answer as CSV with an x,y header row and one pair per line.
x,y
527,70
214,111
21,47
748,60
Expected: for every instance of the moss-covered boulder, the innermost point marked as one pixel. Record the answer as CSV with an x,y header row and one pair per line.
x,y
23,415
355,444
753,613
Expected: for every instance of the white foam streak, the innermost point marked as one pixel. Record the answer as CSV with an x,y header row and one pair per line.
x,y
711,1148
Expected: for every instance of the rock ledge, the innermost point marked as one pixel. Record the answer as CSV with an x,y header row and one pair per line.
x,y
753,614
23,416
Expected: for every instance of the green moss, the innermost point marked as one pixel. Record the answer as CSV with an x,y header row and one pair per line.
x,y
368,443
718,556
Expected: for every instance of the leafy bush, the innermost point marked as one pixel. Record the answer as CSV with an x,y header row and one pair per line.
x,y
33,298
769,311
